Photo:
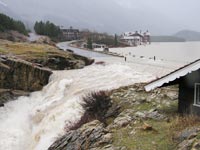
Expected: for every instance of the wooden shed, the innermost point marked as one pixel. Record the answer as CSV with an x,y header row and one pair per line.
x,y
188,79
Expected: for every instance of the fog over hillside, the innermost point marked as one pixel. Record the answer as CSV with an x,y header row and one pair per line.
x,y
188,35
113,16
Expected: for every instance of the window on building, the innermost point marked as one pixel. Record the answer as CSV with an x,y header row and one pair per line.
x,y
197,94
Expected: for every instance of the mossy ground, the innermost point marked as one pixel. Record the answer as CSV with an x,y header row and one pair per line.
x,y
133,137
160,138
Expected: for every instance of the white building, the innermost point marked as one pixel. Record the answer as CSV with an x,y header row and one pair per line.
x,y
136,38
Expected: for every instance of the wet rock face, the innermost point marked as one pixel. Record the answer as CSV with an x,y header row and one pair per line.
x,y
7,94
57,62
90,135
21,75
28,73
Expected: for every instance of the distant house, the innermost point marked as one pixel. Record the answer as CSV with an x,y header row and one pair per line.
x,y
136,38
71,34
94,45
146,37
188,79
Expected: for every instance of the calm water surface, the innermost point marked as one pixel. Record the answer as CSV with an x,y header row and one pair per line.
x,y
177,51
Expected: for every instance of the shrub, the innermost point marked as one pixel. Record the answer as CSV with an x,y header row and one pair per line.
x,y
182,122
96,105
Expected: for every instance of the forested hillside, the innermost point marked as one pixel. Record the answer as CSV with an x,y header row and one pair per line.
x,y
7,23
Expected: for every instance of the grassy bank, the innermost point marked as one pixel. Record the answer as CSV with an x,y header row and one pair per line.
x,y
29,50
155,122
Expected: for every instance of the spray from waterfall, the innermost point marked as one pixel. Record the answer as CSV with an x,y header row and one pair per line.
x,y
35,122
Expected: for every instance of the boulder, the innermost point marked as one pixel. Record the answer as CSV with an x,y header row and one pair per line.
x,y
152,114
188,133
155,115
186,145
123,119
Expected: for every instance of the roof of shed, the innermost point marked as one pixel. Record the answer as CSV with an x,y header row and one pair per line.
x,y
193,66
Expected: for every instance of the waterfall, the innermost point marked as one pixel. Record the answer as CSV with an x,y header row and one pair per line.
x,y
35,122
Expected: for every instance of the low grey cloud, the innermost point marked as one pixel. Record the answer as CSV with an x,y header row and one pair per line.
x,y
113,16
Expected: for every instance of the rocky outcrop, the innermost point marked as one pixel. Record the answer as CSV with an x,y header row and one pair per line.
x,y
17,74
45,55
57,62
18,77
86,60
23,67
90,136
90,132
189,139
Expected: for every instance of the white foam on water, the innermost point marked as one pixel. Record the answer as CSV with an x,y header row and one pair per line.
x,y
35,122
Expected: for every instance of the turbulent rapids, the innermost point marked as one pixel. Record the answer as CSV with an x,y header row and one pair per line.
x,y
35,122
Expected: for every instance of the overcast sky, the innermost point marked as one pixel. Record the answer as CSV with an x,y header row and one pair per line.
x,y
113,16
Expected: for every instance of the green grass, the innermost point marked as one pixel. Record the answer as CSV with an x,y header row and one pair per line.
x,y
160,138
157,139
171,109
2,51
198,136
144,107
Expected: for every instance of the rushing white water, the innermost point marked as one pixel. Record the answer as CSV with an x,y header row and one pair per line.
x,y
34,122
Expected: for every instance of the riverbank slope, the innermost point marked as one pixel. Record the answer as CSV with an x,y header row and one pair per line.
x,y
26,67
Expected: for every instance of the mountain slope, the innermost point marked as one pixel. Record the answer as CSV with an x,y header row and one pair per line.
x,y
6,10
188,35
166,39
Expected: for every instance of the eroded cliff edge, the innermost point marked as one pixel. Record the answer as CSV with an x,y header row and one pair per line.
x,y
26,67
